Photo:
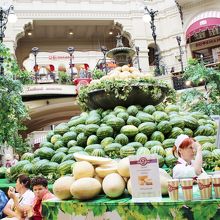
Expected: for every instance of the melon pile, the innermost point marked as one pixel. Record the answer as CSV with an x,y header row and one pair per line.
x,y
118,133
93,175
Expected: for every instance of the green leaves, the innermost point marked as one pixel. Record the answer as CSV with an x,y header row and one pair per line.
x,y
208,99
12,110
122,88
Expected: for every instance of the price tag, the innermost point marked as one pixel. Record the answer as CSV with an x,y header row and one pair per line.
x,y
145,178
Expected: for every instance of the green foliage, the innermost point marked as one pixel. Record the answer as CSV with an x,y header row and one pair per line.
x,y
64,78
97,74
12,110
122,89
196,100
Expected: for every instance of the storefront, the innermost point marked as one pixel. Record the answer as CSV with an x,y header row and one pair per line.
x,y
203,37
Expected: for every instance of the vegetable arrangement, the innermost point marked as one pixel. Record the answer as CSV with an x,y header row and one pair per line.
x,y
117,133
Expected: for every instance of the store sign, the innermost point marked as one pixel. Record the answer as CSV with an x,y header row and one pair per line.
x,y
48,89
211,42
53,57
145,179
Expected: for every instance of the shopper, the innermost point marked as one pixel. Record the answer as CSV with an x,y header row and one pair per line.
x,y
21,201
189,153
40,189
3,202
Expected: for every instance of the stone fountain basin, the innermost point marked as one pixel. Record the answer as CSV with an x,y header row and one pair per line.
x,y
101,99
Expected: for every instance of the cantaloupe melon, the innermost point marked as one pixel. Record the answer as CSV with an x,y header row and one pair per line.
x,y
164,177
123,167
85,188
83,169
61,187
103,171
129,186
113,185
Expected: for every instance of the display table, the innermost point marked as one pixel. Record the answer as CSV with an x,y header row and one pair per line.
x,y
124,208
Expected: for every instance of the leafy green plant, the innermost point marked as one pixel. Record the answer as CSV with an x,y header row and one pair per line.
x,y
207,101
122,88
64,78
97,74
12,110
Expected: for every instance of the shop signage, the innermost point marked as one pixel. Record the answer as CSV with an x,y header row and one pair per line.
x,y
48,89
55,57
210,42
145,179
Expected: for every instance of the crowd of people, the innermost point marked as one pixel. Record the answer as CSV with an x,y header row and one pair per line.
x,y
25,200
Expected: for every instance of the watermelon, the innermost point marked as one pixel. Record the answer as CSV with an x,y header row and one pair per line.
x,y
68,136
65,167
119,109
72,143
160,160
113,150
55,138
92,139
121,139
188,132
105,113
170,161
164,127
133,121
150,109
93,119
127,151
91,129
157,136
46,153
147,128
175,132
98,153
58,157
177,122
115,123
132,110
135,145
142,151
106,141
77,121
89,149
47,168
104,131
27,169
81,139
123,115
168,143
160,116
141,138
190,122
129,130
144,117
62,149
58,145
80,128
27,156
158,149
61,128
216,154
68,157
46,144
75,149
208,146
49,135
150,144
36,169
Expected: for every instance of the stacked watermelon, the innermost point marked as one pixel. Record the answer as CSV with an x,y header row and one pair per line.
x,y
118,133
